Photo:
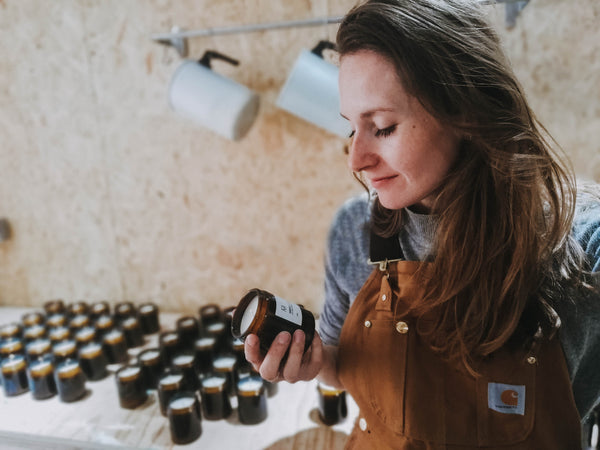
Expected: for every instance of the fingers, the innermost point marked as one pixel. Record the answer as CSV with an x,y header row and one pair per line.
x,y
292,369
252,351
269,369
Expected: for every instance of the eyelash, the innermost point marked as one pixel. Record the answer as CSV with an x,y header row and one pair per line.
x,y
384,132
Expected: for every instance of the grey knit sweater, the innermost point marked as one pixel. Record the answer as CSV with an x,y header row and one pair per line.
x,y
346,270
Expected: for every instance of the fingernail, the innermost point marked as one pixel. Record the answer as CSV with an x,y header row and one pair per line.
x,y
298,336
283,338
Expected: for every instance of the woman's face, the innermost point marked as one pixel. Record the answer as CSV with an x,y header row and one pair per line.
x,y
401,150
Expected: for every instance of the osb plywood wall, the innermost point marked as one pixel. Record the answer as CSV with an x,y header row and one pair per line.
x,y
112,196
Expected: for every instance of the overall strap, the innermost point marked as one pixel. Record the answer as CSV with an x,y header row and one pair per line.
x,y
384,250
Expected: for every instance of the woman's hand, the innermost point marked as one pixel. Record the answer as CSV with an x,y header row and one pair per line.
x,y
299,366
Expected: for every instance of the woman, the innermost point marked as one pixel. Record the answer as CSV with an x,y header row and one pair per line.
x,y
454,338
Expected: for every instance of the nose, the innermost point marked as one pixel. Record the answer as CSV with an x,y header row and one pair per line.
x,y
360,157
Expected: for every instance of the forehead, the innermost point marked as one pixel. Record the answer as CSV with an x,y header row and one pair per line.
x,y
368,79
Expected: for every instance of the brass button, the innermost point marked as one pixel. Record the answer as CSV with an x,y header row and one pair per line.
x,y
362,423
368,323
402,327
383,298
532,360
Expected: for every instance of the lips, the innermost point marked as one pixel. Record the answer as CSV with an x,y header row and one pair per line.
x,y
379,182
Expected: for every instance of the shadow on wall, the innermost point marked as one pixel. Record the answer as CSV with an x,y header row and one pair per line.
x,y
320,437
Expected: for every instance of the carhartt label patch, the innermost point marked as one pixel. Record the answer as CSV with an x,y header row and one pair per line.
x,y
506,398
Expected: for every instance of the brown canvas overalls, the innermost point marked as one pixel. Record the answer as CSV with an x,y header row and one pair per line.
x,y
410,398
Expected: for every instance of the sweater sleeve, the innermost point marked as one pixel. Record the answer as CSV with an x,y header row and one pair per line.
x,y
346,267
580,316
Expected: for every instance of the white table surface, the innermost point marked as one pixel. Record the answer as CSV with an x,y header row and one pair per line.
x,y
97,421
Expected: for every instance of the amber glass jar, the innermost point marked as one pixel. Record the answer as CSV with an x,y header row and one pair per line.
x,y
133,332
85,336
59,334
184,418
64,350
14,375
93,361
332,404
252,400
148,315
41,379
170,383
70,381
11,331
152,366
37,349
34,332
210,313
98,309
188,329
204,349
115,347
56,320
77,308
123,310
170,345
215,398
224,365
185,363
32,318
260,312
12,346
54,307
104,325
130,386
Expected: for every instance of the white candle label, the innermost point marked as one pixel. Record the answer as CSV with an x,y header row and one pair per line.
x,y
288,311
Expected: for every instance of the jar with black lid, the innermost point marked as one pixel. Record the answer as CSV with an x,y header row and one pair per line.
x,y
332,404
54,307
32,318
64,350
14,374
188,329
130,386
70,381
204,349
133,332
184,418
148,315
56,320
215,398
115,347
38,349
59,334
93,361
184,362
252,400
152,366
41,379
100,308
34,332
169,384
262,313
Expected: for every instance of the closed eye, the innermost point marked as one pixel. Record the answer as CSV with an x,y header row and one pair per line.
x,y
385,132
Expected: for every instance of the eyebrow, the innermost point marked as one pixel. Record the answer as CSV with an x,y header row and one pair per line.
x,y
369,113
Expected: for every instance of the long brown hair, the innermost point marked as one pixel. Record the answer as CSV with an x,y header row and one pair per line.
x,y
502,247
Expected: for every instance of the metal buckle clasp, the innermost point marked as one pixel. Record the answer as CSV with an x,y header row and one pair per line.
x,y
382,264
